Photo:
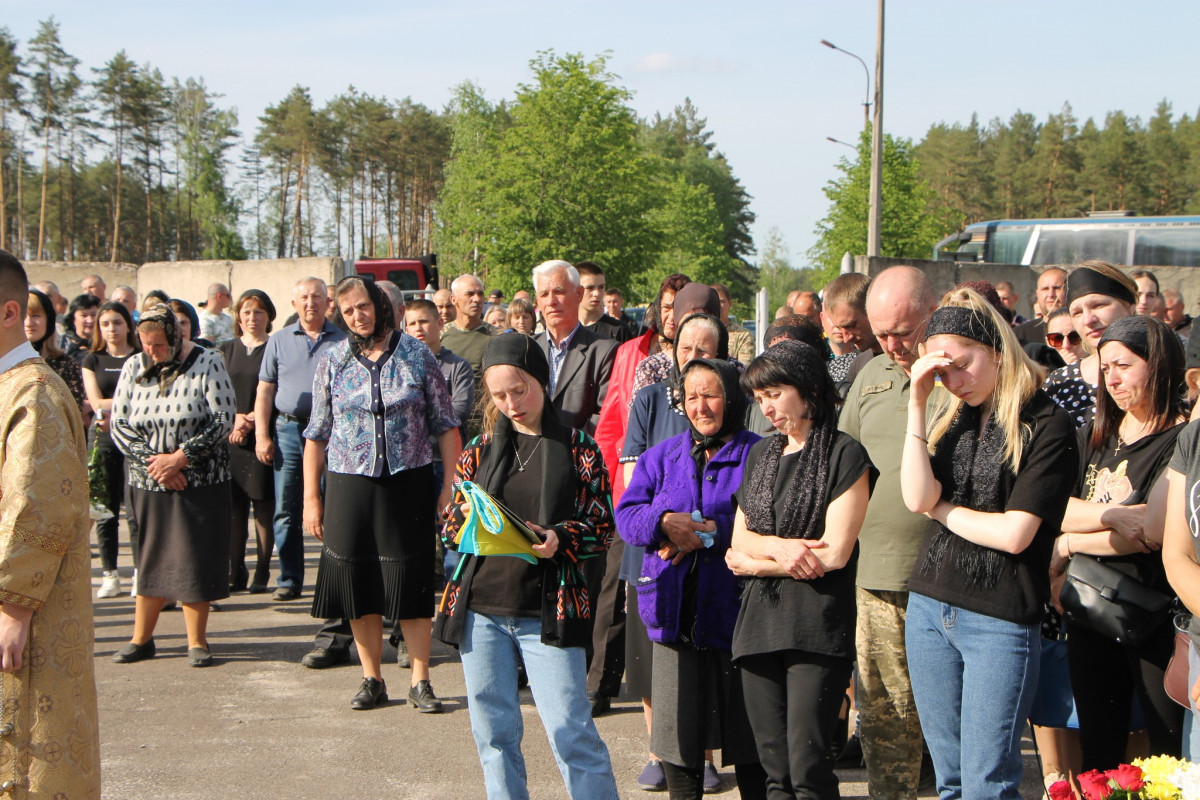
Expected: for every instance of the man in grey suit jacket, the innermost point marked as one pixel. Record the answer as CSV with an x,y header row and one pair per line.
x,y
580,361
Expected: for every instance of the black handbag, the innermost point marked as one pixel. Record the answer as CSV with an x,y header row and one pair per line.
x,y
1111,602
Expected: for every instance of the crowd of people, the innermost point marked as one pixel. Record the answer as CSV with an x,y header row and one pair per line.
x,y
904,504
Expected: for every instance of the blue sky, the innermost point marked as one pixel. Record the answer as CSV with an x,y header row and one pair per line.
x,y
770,91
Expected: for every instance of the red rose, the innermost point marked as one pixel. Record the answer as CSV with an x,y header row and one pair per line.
x,y
1061,790
1095,785
1126,776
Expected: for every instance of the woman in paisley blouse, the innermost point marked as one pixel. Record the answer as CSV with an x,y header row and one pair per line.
x,y
378,397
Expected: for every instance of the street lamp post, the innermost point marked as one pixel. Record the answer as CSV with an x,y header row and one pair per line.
x,y
876,190
839,141
866,71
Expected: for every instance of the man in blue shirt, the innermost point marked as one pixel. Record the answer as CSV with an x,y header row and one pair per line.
x,y
281,411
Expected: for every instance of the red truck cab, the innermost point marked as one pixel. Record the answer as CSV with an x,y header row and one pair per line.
x,y
414,276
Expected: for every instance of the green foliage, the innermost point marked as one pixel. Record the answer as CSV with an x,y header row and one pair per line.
x,y
911,220
1059,168
567,172
776,273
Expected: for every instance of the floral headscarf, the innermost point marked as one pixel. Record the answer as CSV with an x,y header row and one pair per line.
x,y
167,371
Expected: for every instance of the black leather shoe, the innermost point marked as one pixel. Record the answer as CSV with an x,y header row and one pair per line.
x,y
285,593
199,657
372,694
402,659
320,658
600,705
135,652
422,698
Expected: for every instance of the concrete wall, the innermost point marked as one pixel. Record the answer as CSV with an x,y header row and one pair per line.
x,y
66,275
189,280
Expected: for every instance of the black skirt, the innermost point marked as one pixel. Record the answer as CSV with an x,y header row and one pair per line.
x,y
183,543
254,478
379,546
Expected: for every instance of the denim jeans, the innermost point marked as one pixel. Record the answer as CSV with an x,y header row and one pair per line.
x,y
973,677
558,679
289,502
1191,730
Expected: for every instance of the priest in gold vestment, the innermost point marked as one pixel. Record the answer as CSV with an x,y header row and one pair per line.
x,y
49,729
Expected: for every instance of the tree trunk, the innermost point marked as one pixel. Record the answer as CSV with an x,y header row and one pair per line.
x,y
117,205
45,174
281,241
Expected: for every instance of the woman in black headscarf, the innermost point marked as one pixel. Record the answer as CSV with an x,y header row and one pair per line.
x,y
171,416
795,538
1115,516
678,509
496,608
42,334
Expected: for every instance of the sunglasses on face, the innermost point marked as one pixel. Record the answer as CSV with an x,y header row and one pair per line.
x,y
1056,339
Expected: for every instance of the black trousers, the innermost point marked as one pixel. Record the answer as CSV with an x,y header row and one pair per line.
x,y
1104,677
607,663
793,699
114,494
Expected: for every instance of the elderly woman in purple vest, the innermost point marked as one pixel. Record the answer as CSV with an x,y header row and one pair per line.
x,y
679,507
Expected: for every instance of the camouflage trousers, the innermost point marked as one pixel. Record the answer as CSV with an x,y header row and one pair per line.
x,y
888,725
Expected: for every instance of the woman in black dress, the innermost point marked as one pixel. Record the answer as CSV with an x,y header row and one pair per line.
x,y
801,504
113,342
253,482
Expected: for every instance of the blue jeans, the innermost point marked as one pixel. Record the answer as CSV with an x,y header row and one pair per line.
x,y
1191,729
974,678
558,679
289,502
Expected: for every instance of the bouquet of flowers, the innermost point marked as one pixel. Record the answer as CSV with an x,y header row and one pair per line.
x,y
1155,778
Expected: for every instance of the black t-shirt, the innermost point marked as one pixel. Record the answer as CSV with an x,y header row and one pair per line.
x,y
1186,462
1042,486
1127,477
506,585
107,369
816,616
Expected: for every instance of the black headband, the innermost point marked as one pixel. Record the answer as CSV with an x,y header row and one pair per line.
x,y
1085,280
1131,332
963,322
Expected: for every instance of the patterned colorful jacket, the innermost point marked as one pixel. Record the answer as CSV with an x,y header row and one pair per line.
x,y
566,607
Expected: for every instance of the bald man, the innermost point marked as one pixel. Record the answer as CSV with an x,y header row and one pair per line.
x,y
899,303
468,335
443,300
215,324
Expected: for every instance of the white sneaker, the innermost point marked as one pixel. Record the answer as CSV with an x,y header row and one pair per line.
x,y
111,585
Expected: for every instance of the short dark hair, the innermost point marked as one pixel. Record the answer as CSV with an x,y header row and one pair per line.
x,y
722,290
78,302
421,304
614,291
14,283
849,289
813,383
589,268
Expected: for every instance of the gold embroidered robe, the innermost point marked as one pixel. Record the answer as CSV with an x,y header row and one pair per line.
x,y
52,749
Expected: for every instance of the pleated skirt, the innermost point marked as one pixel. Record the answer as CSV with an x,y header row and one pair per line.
x,y
378,551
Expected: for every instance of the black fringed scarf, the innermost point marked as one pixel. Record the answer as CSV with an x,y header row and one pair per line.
x,y
802,513
976,462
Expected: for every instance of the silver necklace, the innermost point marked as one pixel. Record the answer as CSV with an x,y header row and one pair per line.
x,y
517,454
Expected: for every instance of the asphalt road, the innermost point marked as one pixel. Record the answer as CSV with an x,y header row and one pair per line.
x,y
259,725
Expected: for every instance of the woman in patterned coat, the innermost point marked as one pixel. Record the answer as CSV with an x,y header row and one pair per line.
x,y
171,417
500,609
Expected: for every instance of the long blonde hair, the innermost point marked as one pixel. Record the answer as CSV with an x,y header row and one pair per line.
x,y
1018,378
